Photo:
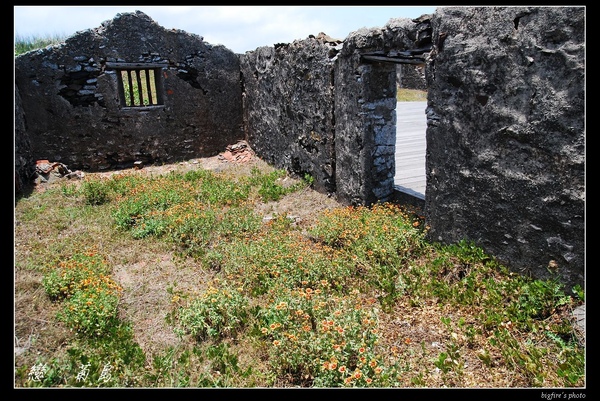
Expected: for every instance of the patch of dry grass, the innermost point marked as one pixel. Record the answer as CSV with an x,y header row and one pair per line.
x,y
411,95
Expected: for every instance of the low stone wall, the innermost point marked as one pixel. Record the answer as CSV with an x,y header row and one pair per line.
x,y
289,108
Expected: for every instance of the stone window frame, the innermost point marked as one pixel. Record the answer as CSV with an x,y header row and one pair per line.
x,y
152,102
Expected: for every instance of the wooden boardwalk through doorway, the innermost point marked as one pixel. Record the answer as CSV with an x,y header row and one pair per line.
x,y
411,124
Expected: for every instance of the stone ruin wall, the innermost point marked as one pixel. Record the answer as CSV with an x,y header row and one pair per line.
x,y
505,137
411,77
289,108
72,106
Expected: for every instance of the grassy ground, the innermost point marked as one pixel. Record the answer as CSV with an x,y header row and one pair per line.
x,y
411,95
212,274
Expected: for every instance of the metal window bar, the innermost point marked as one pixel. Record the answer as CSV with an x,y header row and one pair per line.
x,y
139,88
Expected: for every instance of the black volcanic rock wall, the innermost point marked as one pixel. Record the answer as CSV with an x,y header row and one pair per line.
x,y
72,108
288,107
506,135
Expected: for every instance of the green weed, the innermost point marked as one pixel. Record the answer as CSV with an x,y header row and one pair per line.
x,y
24,43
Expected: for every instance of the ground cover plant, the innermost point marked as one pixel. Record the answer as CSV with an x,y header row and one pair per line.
x,y
210,274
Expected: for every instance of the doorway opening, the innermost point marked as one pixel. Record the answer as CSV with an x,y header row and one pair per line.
x,y
411,127
407,162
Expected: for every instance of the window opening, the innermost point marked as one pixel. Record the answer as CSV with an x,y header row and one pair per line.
x,y
140,85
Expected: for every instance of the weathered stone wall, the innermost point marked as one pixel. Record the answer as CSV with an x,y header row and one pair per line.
x,y
288,107
505,136
72,109
365,111
24,161
411,77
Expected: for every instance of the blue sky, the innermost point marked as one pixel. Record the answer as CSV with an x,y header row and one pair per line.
x,y
239,28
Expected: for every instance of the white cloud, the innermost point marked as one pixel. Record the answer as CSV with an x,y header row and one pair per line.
x,y
239,28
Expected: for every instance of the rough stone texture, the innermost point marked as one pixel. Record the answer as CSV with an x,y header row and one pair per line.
x,y
24,161
288,107
411,77
71,104
365,112
506,138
